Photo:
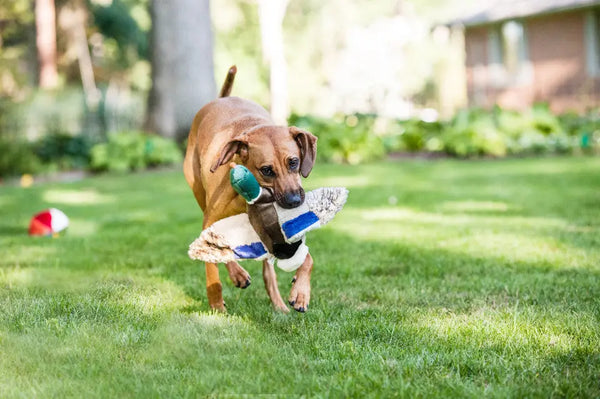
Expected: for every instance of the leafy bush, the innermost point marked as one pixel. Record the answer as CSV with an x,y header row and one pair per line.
x,y
414,135
17,157
133,151
344,139
64,151
478,132
161,151
535,131
584,130
473,133
470,133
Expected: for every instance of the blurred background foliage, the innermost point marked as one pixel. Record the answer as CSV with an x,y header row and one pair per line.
x,y
470,133
369,78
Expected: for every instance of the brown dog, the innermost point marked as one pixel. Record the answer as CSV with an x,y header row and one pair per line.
x,y
234,129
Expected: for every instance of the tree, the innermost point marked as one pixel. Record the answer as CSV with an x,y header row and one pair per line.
x,y
182,65
45,22
271,13
73,20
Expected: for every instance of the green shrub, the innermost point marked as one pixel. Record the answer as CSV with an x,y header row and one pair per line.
x,y
473,133
414,135
477,132
121,153
584,130
17,157
64,151
543,120
536,131
133,151
344,139
470,133
161,151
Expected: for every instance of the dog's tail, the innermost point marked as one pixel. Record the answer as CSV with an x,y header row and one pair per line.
x,y
228,84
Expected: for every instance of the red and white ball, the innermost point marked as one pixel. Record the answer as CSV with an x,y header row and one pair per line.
x,y
48,222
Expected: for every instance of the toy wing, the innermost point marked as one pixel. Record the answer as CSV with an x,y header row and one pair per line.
x,y
228,239
319,207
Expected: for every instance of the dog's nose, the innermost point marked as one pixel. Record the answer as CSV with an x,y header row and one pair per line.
x,y
292,200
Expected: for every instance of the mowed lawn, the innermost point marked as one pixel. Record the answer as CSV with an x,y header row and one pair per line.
x,y
438,279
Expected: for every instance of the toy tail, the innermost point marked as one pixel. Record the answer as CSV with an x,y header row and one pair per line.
x,y
228,84
211,247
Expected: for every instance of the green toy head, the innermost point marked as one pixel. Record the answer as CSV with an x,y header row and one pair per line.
x,y
244,183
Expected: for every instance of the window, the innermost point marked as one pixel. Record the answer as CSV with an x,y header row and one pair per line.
x,y
508,55
592,42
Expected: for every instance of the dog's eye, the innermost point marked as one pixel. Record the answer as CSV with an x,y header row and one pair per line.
x,y
293,163
267,171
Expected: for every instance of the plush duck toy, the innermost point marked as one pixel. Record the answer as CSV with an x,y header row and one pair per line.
x,y
266,231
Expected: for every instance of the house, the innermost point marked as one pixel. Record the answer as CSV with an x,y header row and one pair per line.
x,y
519,52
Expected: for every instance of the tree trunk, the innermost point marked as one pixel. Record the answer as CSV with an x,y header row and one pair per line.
x,y
182,65
72,20
271,13
45,23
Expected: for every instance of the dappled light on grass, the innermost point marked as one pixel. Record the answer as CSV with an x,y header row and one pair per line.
x,y
481,279
145,293
15,277
400,214
77,197
497,237
57,278
515,247
82,227
25,255
195,324
548,167
510,327
475,206
155,295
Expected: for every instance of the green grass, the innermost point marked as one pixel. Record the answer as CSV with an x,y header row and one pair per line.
x,y
443,279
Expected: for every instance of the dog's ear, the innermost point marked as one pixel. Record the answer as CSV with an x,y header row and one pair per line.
x,y
235,146
307,143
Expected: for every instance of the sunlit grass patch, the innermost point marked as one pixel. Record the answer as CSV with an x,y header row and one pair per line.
x,y
76,197
513,329
82,227
476,206
11,276
30,253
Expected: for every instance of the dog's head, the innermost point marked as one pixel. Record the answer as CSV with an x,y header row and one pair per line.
x,y
277,156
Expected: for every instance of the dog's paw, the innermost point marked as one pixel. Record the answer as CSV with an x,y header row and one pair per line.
x,y
280,307
219,307
300,296
239,277
243,284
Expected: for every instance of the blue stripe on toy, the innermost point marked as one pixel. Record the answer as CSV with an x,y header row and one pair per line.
x,y
298,224
252,251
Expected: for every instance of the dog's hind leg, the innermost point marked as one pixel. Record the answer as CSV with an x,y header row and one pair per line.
x,y
214,290
270,279
238,275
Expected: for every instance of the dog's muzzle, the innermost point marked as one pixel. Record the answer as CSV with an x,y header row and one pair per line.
x,y
291,199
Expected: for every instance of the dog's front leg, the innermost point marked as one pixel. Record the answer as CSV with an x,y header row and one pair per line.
x,y
300,293
214,290
270,279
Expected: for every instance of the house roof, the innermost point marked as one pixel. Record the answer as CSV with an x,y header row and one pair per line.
x,y
501,10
